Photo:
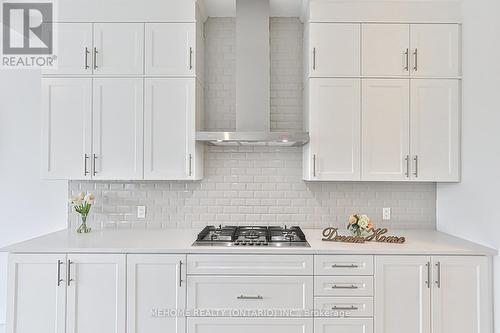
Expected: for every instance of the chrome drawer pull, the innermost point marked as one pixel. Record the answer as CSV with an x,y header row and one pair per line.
x,y
352,286
250,297
345,308
345,266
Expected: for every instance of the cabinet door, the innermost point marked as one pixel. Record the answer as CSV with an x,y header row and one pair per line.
x,y
461,295
66,128
118,48
385,49
250,325
169,130
402,294
155,283
118,129
435,50
96,293
73,48
36,293
335,129
170,49
385,129
335,49
435,130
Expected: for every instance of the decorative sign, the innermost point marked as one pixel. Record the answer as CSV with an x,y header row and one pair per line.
x,y
378,235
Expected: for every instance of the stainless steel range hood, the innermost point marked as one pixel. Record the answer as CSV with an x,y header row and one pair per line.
x,y
253,84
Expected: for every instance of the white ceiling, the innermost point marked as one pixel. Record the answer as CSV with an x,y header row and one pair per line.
x,y
227,8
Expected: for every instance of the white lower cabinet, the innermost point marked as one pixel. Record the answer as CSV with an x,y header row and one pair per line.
x,y
36,293
343,325
250,325
461,295
402,294
433,294
155,283
148,293
96,293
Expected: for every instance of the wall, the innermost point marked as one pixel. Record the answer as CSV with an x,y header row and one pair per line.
x,y
470,209
255,185
29,206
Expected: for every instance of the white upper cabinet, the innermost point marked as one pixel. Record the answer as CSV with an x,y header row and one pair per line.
x,y
96,293
36,293
73,48
435,50
170,49
385,129
155,283
118,129
66,128
385,49
169,131
435,130
418,50
334,49
461,295
335,129
118,48
403,294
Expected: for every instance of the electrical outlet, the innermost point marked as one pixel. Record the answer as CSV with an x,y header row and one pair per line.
x,y
386,214
141,212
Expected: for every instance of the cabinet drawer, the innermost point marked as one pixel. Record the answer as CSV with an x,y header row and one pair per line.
x,y
250,325
250,264
250,292
343,286
343,265
344,306
343,325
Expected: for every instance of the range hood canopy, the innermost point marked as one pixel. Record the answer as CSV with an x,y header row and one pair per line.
x,y
253,84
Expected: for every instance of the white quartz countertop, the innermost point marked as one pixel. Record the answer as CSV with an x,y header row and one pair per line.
x,y
423,242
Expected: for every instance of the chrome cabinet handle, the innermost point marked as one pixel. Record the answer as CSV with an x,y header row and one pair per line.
x,y
345,266
415,173
69,279
314,59
249,297
428,282
59,280
407,160
352,286
407,60
415,60
190,58
95,57
94,158
314,165
180,273
87,58
345,307
85,158
438,281
190,165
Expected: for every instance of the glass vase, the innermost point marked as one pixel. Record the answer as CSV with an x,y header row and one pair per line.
x,y
83,228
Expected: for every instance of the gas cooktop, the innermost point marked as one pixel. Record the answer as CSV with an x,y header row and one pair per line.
x,y
257,236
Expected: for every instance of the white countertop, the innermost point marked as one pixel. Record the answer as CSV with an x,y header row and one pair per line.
x,y
423,242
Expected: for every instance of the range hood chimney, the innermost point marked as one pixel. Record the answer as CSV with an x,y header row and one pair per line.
x,y
253,63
